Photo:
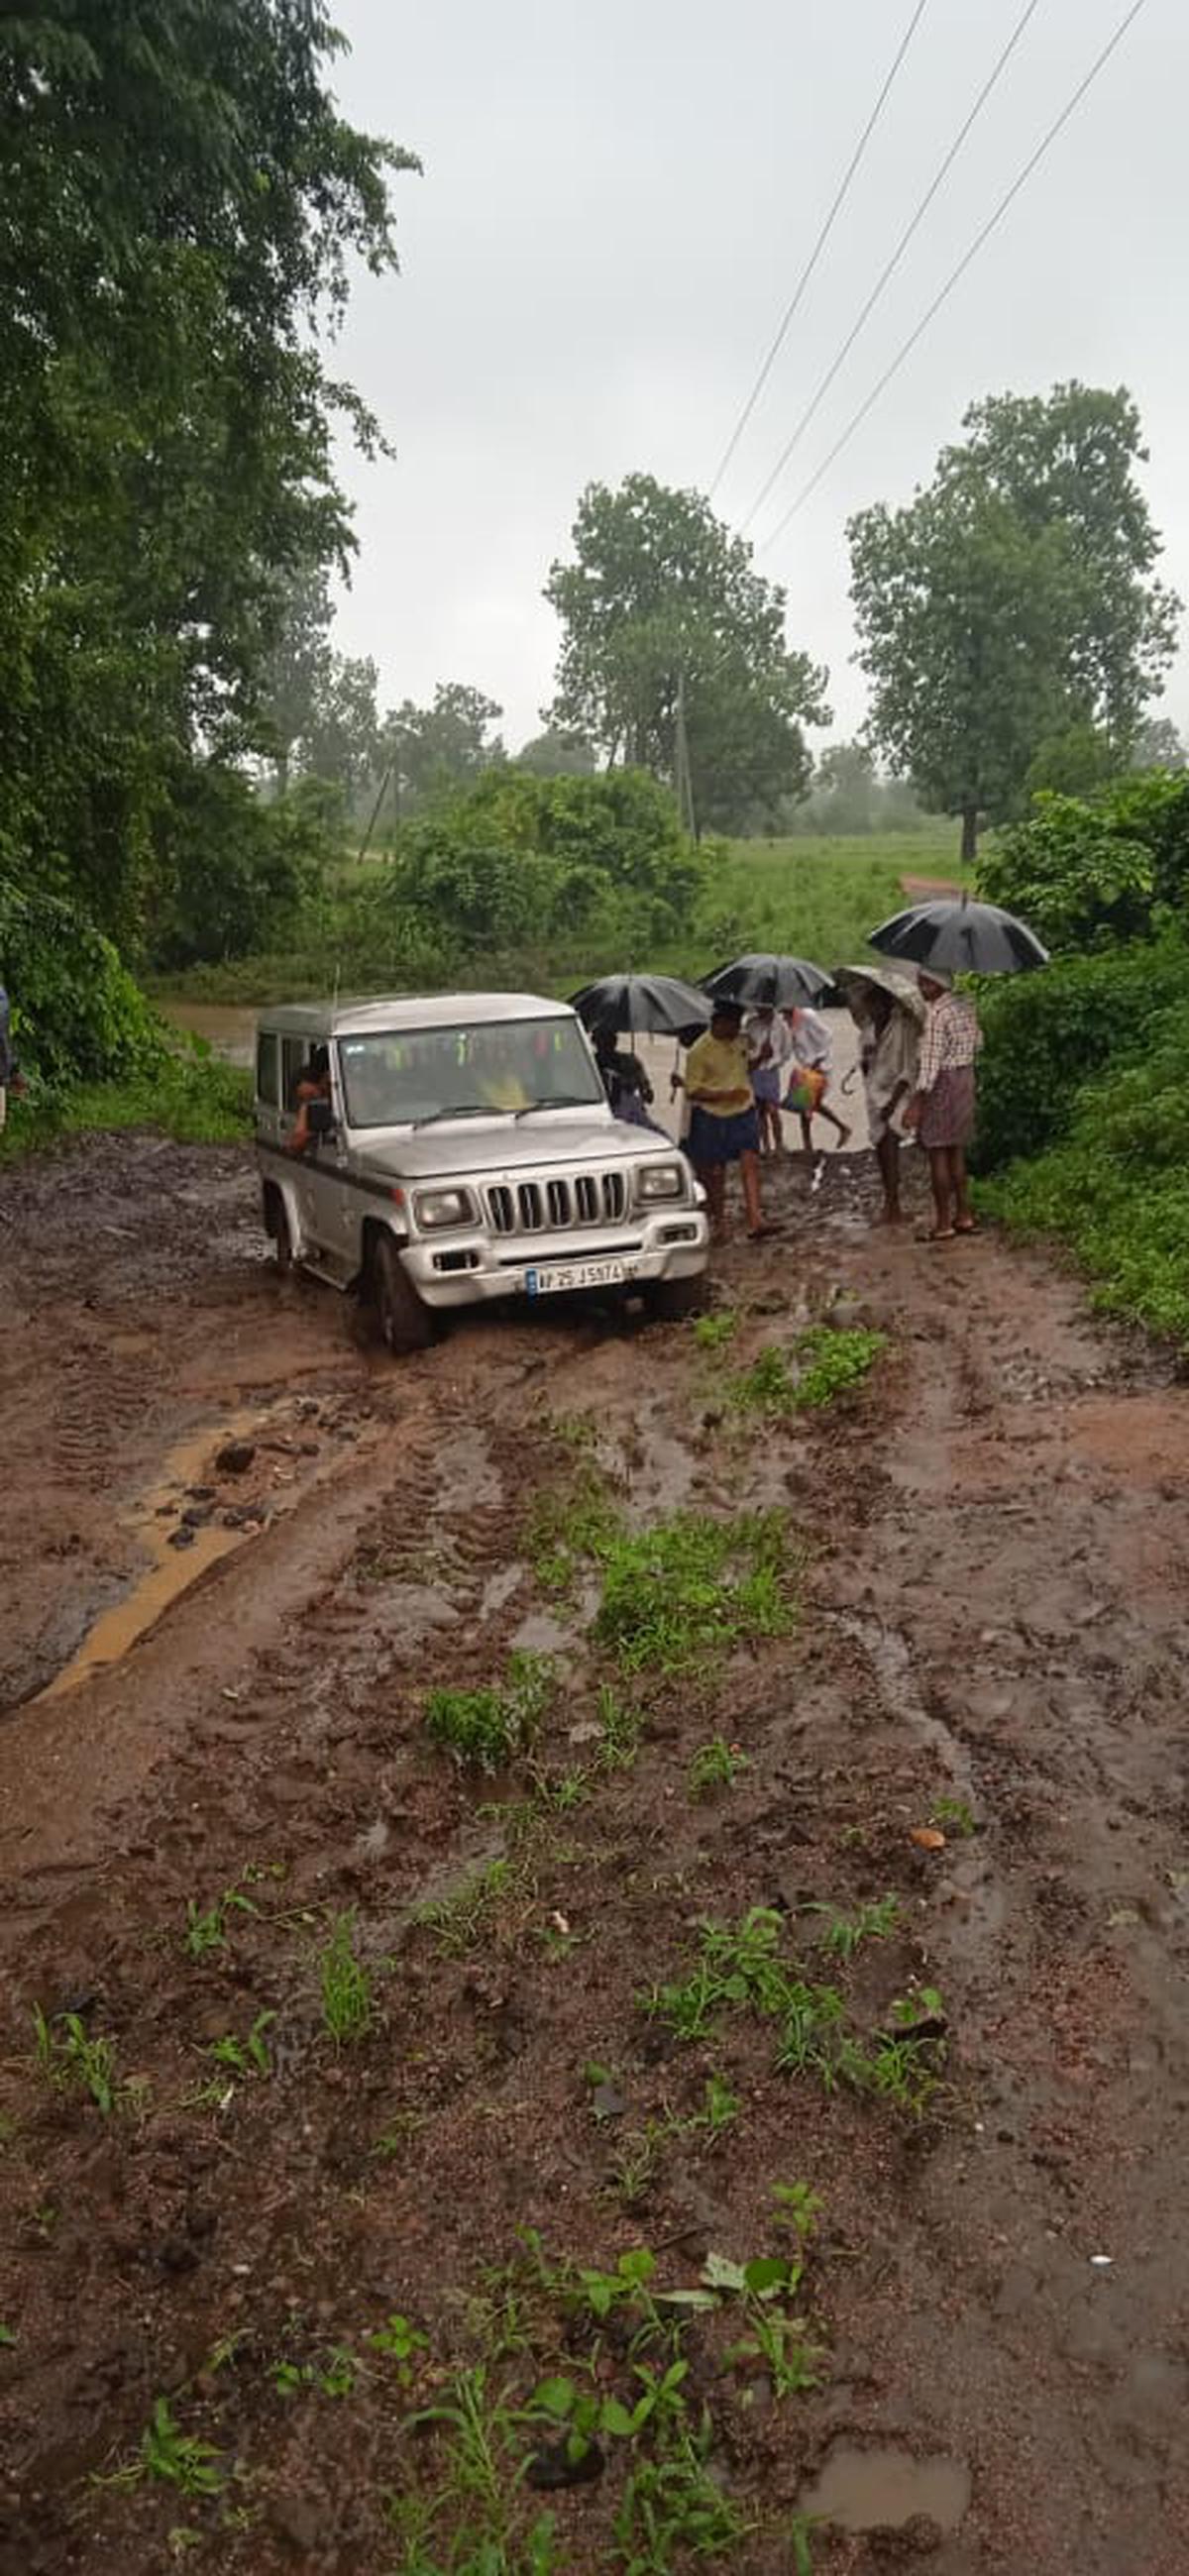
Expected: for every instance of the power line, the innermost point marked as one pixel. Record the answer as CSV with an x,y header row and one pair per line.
x,y
1007,200
818,248
888,272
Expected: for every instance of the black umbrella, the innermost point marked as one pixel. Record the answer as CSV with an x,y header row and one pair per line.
x,y
961,938
656,1005
763,981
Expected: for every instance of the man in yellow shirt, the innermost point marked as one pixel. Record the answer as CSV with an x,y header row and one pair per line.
x,y
723,1127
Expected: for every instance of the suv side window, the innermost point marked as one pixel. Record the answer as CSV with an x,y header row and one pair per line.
x,y
295,1055
268,1069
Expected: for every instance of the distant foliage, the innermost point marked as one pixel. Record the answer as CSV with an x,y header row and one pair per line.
x,y
661,608
849,798
1011,606
520,860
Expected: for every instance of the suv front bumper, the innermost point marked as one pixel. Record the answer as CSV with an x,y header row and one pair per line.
x,y
666,1242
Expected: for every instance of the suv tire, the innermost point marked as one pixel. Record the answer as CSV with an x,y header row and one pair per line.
x,y
671,1300
403,1320
276,1223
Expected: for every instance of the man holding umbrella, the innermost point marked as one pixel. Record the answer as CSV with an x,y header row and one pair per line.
x,y
942,1106
723,1126
944,939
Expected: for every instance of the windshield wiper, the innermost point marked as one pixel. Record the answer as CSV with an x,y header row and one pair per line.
x,y
468,1109
561,1100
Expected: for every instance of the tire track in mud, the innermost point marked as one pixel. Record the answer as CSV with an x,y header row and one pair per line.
x,y
960,1534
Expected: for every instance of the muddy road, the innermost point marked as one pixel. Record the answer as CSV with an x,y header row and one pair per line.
x,y
339,2030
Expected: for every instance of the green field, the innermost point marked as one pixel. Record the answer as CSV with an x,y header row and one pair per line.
x,y
813,897
810,897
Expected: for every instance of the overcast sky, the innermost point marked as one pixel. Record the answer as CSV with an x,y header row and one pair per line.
x,y
616,204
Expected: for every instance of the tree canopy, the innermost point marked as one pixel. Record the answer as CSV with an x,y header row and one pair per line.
x,y
183,207
1012,603
661,610
441,747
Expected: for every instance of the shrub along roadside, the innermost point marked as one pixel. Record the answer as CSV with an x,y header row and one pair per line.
x,y
195,1099
1087,1061
1047,1035
77,1014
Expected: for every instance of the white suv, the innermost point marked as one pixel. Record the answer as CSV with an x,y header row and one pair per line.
x,y
462,1147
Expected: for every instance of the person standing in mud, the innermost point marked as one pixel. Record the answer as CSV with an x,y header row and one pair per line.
x,y
942,1107
809,1078
723,1127
889,1055
769,1047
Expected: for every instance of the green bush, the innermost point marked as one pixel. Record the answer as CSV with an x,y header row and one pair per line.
x,y
1048,1035
77,1014
1089,875
1116,1186
517,861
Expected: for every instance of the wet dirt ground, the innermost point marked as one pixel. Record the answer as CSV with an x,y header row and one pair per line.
x,y
237,1550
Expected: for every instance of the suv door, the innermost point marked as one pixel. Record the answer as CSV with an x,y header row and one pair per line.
x,y
314,1174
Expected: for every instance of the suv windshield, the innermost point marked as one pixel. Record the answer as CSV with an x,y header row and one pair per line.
x,y
397,1076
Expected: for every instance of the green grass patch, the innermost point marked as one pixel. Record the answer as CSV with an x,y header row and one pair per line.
x,y
716,1765
197,1101
744,1968
466,1919
814,894
345,1984
825,1365
692,1586
574,1526
713,1332
170,2457
488,1727
73,2061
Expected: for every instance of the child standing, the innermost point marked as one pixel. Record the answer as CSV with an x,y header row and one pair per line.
x,y
809,1079
769,1048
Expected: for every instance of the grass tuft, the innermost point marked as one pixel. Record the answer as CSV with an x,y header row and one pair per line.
x,y
691,1587
346,1985
489,1727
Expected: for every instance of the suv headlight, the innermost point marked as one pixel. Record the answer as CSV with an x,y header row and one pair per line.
x,y
444,1207
662,1181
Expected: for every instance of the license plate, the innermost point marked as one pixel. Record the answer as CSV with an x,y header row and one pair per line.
x,y
576,1274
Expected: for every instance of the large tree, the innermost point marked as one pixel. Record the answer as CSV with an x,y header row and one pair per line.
x,y
1013,601
183,207
432,750
667,627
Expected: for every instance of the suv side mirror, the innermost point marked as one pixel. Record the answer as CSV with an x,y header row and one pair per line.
x,y
320,1118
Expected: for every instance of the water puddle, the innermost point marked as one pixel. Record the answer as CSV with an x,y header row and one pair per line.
x,y
498,1590
884,2490
171,1570
541,1634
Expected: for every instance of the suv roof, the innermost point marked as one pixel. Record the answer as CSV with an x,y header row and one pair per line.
x,y
407,1011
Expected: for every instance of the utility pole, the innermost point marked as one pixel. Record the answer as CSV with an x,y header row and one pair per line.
x,y
682,774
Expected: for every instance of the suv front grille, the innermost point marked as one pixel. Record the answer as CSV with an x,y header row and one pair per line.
x,y
552,1206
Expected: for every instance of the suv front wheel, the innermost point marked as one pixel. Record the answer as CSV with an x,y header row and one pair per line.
x,y
403,1320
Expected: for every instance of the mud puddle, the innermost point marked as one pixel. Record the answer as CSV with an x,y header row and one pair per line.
x,y
156,1523
886,2489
